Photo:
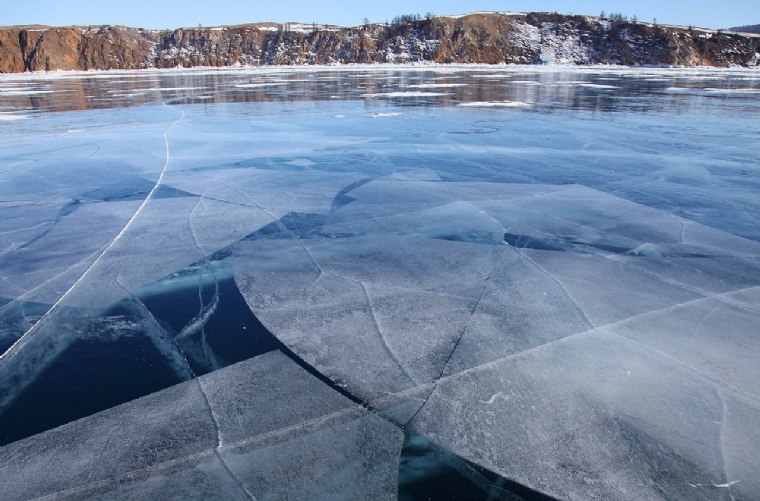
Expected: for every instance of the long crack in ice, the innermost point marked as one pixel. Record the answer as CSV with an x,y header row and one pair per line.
x,y
20,341
383,340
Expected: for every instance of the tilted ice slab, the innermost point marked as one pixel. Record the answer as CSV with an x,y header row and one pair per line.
x,y
570,340
262,429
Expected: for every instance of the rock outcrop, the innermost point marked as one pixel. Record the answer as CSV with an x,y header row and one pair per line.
x,y
11,58
486,38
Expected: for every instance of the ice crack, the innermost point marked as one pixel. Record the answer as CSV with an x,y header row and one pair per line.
x,y
382,336
218,439
494,398
22,340
198,323
451,353
561,286
721,447
727,485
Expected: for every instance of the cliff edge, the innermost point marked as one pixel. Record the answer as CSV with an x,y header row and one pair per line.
x,y
484,38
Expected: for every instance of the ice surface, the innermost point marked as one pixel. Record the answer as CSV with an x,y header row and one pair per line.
x,y
263,428
159,428
583,417
185,229
70,237
563,293
716,335
555,285
352,458
605,291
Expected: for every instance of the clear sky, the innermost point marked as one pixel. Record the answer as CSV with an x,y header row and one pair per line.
x,y
173,14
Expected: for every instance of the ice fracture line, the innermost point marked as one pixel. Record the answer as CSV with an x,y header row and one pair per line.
x,y
20,341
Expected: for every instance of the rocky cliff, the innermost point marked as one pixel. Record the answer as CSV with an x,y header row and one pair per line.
x,y
488,38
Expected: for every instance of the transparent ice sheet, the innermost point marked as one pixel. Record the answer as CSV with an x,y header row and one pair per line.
x,y
561,295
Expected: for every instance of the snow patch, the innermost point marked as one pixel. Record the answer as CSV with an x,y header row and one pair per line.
x,y
493,75
388,114
24,92
494,104
258,85
436,85
732,91
169,89
301,162
405,94
598,86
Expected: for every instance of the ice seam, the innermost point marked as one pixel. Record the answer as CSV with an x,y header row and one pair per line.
x,y
20,341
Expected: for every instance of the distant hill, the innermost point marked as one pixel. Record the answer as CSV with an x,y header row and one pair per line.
x,y
755,28
482,38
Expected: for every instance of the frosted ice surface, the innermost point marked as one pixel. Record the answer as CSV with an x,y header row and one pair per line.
x,y
716,274
263,428
77,233
336,334
271,190
344,458
429,264
185,229
158,428
607,291
345,284
530,332
420,328
521,307
24,221
267,395
591,416
740,436
716,335
199,477
423,174
567,304
456,221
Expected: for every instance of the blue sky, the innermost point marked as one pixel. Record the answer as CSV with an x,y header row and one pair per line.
x,y
172,14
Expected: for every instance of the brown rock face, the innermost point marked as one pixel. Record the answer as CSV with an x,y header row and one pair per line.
x,y
11,60
51,49
534,38
116,47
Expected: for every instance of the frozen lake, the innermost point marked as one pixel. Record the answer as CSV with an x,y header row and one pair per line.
x,y
380,282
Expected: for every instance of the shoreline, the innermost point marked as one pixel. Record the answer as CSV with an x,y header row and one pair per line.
x,y
379,67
